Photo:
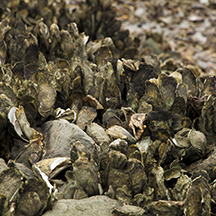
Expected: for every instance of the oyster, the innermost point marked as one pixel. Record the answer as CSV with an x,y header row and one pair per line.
x,y
67,114
18,119
99,135
207,117
166,207
111,117
53,166
61,131
86,174
89,100
136,123
11,182
181,187
72,81
31,153
129,172
189,79
128,210
78,150
167,86
116,131
85,116
193,142
198,199
33,199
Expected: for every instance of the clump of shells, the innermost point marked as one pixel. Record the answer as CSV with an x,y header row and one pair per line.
x,y
79,117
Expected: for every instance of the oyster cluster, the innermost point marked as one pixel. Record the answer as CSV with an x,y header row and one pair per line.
x,y
81,115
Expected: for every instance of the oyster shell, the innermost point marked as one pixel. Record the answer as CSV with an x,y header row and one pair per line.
x,y
156,181
11,182
110,117
86,175
136,123
198,198
128,210
31,153
68,114
180,190
119,145
78,150
19,120
207,117
33,198
61,131
189,79
166,207
167,87
193,142
85,116
53,166
49,70
99,135
89,100
116,131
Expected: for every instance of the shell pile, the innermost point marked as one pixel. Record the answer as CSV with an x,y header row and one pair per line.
x,y
82,114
